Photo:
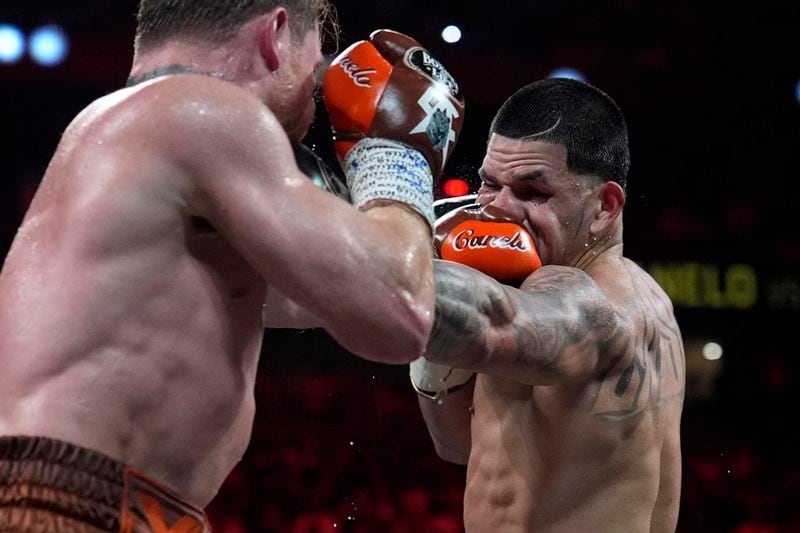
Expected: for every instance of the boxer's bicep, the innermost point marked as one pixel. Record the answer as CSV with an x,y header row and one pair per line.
x,y
565,328
559,326
246,184
362,276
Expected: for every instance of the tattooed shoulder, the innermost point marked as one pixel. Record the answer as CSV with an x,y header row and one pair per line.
x,y
649,368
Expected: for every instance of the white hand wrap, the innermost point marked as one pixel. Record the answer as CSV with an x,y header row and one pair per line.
x,y
436,381
389,170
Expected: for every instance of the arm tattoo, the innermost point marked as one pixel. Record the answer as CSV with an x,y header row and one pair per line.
x,y
557,319
458,325
642,382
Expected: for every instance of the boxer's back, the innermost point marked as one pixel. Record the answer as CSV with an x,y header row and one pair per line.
x,y
127,325
601,455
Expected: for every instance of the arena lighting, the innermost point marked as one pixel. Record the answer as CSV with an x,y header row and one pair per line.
x,y
569,73
797,91
455,187
12,44
712,351
48,46
451,34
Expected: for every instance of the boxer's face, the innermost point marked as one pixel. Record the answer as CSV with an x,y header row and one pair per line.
x,y
529,179
296,109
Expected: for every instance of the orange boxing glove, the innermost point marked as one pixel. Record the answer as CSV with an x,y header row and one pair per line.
x,y
488,240
391,87
396,114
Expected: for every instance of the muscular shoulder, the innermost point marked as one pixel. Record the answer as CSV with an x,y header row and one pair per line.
x,y
596,326
637,292
210,134
656,321
199,116
556,277
569,286
660,300
646,365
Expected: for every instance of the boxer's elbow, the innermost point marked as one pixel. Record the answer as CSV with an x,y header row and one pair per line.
x,y
403,333
420,324
419,309
396,309
409,317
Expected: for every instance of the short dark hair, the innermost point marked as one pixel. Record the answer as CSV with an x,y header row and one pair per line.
x,y
218,20
577,115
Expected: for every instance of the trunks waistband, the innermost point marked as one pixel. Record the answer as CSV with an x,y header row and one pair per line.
x,y
62,487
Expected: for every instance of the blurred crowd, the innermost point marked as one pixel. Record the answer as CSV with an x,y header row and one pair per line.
x,y
347,451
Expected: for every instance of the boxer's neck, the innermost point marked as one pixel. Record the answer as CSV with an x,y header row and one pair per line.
x,y
169,70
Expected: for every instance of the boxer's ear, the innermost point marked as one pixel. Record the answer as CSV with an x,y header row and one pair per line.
x,y
274,38
611,201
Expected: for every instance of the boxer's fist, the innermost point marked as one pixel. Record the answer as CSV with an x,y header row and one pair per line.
x,y
390,87
317,171
486,239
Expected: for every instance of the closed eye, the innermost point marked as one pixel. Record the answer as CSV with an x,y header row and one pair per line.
x,y
534,195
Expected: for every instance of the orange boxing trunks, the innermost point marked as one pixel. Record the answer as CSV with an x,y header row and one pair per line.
x,y
52,486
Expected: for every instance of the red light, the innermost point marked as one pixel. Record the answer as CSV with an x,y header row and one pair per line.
x,y
455,187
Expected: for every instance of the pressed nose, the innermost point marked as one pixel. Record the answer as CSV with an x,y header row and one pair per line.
x,y
506,201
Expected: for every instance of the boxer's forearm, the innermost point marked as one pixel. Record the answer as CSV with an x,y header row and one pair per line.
x,y
401,272
449,423
406,278
555,327
403,306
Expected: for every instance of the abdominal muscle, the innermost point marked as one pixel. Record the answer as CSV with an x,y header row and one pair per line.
x,y
532,467
501,476
148,357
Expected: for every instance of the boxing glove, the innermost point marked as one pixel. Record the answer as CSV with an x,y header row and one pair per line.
x,y
488,240
318,171
396,114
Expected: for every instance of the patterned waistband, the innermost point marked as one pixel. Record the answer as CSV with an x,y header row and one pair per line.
x,y
48,485
44,475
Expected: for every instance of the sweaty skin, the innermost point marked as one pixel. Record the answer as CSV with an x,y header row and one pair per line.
x,y
131,300
575,410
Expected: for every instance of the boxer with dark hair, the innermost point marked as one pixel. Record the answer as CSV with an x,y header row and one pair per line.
x,y
563,396
214,21
131,300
